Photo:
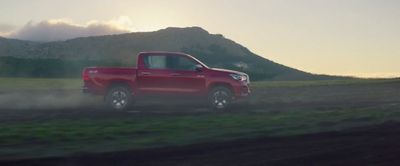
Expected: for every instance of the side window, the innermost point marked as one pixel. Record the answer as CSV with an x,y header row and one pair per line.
x,y
180,63
169,62
155,61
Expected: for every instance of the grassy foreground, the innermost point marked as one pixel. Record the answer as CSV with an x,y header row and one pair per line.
x,y
66,136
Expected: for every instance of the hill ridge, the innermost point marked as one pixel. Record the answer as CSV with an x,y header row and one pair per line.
x,y
121,49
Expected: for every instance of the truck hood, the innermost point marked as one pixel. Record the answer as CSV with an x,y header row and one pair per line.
x,y
228,71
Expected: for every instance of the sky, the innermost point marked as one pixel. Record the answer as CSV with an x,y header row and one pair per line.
x,y
338,37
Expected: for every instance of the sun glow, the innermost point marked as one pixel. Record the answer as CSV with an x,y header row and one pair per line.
x,y
121,22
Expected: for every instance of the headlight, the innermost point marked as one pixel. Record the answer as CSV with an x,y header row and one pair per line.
x,y
239,77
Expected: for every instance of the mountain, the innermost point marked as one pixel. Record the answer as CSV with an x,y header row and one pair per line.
x,y
70,56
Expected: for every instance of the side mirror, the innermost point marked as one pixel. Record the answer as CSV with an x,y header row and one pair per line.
x,y
198,68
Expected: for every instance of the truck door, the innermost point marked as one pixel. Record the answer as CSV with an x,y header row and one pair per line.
x,y
184,78
152,78
170,74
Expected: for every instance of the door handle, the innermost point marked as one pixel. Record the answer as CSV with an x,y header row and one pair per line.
x,y
145,73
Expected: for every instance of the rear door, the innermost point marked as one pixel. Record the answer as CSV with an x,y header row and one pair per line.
x,y
153,77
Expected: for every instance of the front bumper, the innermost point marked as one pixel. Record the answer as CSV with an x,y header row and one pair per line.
x,y
241,91
245,91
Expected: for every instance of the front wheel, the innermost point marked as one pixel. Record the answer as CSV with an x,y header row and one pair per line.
x,y
119,98
220,98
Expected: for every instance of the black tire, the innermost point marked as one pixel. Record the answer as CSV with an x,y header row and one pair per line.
x,y
119,98
220,98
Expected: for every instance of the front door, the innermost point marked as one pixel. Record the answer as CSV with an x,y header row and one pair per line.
x,y
185,79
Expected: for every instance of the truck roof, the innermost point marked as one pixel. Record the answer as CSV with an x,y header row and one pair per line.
x,y
173,53
162,52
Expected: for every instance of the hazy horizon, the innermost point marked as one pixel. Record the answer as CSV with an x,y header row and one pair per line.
x,y
353,38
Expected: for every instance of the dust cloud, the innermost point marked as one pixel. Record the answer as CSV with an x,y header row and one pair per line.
x,y
20,100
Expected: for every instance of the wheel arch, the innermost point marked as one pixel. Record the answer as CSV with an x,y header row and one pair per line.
x,y
220,84
119,83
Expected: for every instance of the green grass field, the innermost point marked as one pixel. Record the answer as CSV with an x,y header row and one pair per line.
x,y
271,84
65,136
66,132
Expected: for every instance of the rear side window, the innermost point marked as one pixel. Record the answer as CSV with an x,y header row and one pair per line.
x,y
169,62
155,62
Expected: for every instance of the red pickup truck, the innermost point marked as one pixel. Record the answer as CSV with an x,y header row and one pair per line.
x,y
165,74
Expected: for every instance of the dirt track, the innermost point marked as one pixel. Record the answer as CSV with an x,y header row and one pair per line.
x,y
41,105
373,145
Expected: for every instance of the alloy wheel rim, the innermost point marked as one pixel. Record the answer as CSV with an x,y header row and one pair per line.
x,y
119,99
220,99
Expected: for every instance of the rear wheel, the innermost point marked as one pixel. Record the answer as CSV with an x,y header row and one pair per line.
x,y
119,98
220,98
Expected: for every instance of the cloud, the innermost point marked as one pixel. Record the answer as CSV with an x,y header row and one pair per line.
x,y
6,29
63,29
